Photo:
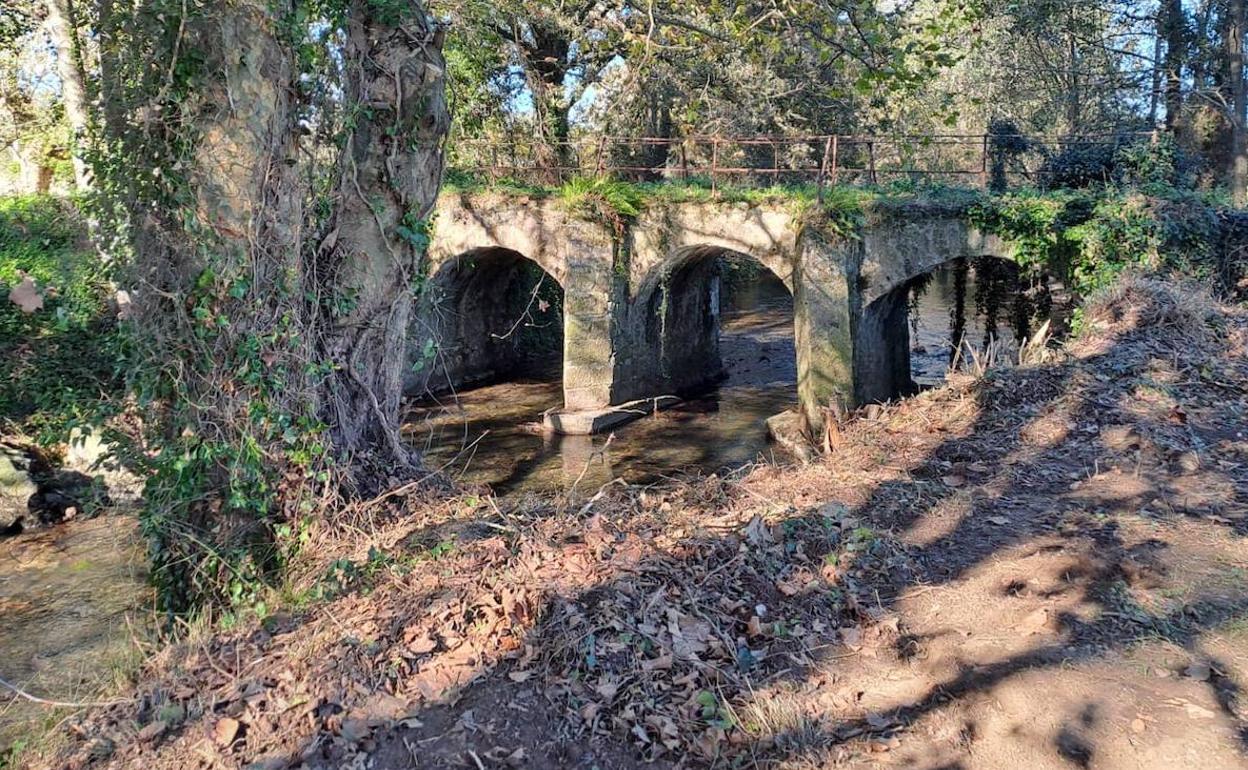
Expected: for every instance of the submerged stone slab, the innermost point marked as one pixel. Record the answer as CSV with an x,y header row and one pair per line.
x,y
585,422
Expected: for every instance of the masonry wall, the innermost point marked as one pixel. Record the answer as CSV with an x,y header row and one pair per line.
x,y
579,255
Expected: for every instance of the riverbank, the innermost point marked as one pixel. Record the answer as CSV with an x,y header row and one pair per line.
x,y
1039,567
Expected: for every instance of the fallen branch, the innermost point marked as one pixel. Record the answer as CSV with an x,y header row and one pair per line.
x,y
59,703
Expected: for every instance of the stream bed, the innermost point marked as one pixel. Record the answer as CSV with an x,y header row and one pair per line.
x,y
72,598
488,435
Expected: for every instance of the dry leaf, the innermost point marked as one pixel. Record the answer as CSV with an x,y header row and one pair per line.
x,y
755,626
125,306
26,296
757,532
224,731
422,645
152,731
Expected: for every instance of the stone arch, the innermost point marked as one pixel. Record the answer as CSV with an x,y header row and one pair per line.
x,y
897,253
894,253
675,319
579,255
488,314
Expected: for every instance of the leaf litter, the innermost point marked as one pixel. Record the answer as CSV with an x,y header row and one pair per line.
x,y
649,617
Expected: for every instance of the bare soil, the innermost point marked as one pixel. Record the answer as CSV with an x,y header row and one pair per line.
x,y
1044,567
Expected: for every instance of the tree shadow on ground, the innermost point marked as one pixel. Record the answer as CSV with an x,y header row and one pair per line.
x,y
661,645
1039,434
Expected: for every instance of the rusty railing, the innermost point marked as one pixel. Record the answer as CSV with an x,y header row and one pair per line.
x,y
821,160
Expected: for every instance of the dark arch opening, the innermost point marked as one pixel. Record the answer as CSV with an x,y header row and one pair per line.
x,y
721,316
498,317
910,338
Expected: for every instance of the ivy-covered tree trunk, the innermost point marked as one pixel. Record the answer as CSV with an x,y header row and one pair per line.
x,y
200,171
370,263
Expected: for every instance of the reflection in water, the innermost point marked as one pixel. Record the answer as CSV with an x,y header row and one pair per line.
x,y
932,320
492,435
489,436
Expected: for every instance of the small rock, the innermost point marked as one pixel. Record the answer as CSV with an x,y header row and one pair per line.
x,y
85,450
16,486
1137,725
1198,671
153,731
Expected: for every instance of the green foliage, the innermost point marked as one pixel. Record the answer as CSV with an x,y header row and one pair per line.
x,y
1151,166
223,509
217,355
1090,239
602,199
57,365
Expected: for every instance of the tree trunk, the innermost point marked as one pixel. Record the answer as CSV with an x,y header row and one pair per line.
x,y
544,54
371,259
1154,91
63,29
1170,15
220,337
1239,101
1074,101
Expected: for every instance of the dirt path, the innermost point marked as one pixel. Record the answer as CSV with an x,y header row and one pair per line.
x,y
1042,568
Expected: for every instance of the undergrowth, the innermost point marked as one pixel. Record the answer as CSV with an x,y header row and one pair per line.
x,y
57,364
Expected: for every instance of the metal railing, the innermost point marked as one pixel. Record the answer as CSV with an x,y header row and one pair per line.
x,y
822,160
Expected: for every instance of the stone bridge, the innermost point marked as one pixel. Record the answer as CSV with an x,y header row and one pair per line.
x,y
640,298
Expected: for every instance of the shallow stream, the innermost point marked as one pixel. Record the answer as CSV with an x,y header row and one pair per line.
x,y
491,435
